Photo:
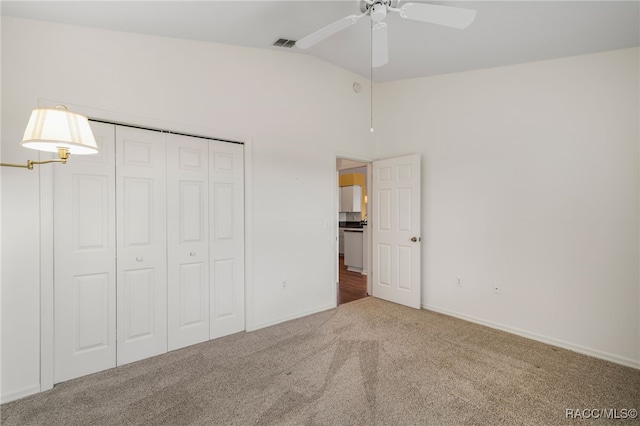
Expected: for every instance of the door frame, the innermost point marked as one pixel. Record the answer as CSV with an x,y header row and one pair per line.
x,y
336,196
47,343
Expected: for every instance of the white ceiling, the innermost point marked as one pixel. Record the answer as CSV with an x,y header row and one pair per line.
x,y
504,32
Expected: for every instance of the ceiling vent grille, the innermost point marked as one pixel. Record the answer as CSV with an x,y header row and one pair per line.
x,y
283,42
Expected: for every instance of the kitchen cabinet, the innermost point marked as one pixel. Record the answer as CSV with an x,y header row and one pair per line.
x,y
350,198
353,249
358,179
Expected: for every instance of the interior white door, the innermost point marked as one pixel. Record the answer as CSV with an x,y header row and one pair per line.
x,y
141,244
396,230
226,212
187,240
85,261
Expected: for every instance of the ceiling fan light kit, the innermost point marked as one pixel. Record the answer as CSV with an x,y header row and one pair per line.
x,y
377,10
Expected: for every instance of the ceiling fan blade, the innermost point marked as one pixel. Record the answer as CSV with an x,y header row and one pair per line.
x,y
328,31
380,47
455,17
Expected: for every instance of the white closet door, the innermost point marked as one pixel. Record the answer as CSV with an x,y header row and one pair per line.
x,y
142,244
188,240
226,203
85,261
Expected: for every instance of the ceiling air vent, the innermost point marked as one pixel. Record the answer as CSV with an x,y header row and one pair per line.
x,y
283,42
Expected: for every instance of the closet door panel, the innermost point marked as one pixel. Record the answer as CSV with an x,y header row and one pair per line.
x,y
227,238
141,235
188,240
85,261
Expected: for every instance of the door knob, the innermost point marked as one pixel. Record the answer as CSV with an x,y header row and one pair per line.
x,y
139,259
415,239
193,253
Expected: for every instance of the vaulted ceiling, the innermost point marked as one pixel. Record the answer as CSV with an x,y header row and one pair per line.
x,y
503,33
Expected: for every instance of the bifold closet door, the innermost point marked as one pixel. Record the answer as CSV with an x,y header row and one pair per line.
x,y
226,205
85,261
141,244
187,240
148,236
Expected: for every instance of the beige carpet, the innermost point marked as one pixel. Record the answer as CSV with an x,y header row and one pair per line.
x,y
367,362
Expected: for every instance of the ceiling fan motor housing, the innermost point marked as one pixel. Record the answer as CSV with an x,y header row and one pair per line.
x,y
365,5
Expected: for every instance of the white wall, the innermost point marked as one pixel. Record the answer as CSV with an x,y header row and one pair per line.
x,y
530,180
530,177
297,112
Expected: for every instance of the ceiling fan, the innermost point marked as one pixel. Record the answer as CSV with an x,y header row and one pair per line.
x,y
377,10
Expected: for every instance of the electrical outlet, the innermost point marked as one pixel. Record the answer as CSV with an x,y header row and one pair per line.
x,y
458,282
496,289
284,284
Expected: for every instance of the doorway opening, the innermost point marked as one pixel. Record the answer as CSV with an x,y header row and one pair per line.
x,y
353,234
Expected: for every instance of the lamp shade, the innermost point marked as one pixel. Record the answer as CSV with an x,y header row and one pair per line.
x,y
52,129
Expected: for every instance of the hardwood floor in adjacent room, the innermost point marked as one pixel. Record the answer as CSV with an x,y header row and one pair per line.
x,y
352,285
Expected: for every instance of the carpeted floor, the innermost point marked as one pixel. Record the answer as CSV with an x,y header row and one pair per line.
x,y
368,362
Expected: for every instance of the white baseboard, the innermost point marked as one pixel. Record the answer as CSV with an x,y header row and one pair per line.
x,y
627,362
27,391
290,317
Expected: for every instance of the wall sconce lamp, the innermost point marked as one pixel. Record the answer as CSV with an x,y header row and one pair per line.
x,y
57,130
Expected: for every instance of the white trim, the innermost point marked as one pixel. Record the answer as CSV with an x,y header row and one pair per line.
x,y
248,235
47,343
24,392
627,362
292,317
336,228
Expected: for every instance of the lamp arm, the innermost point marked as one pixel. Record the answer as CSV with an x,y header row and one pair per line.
x,y
31,163
25,166
62,153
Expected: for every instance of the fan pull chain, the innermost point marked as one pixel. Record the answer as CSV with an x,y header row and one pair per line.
x,y
371,73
